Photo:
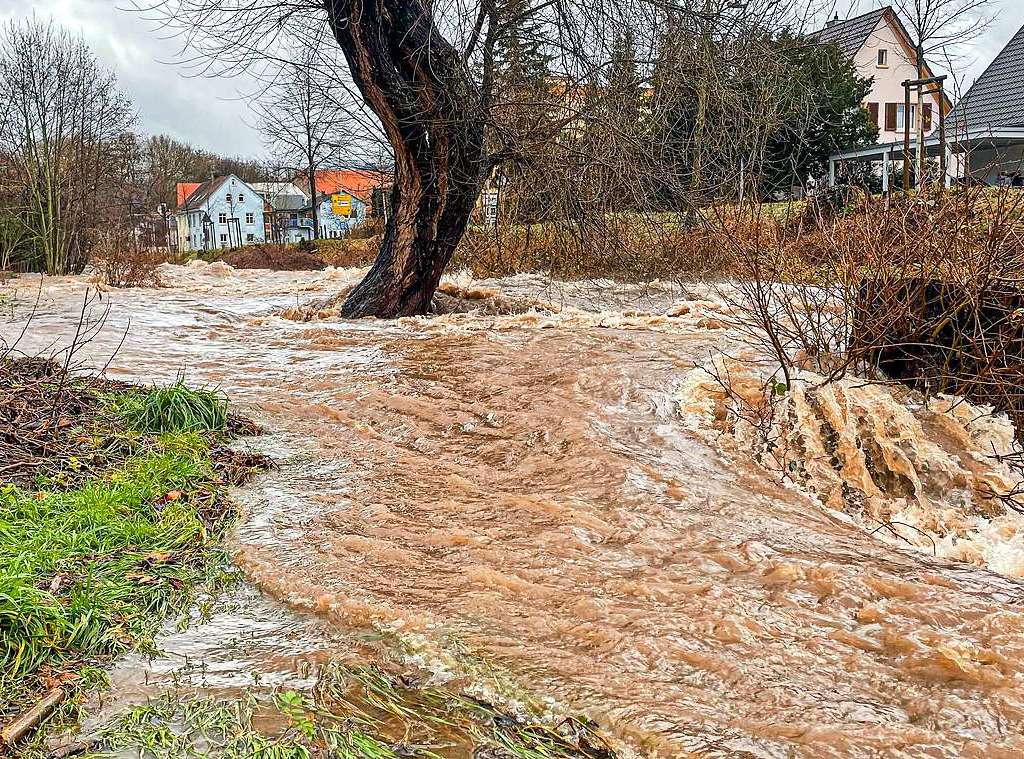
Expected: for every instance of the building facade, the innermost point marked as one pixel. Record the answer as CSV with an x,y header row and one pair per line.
x,y
220,214
881,48
286,207
340,213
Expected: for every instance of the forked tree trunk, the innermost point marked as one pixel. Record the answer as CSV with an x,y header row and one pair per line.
x,y
418,86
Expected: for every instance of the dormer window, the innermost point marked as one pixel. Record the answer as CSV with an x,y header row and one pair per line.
x,y
883,58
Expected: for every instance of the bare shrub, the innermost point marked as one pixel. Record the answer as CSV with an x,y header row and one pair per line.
x,y
122,266
625,247
275,257
348,252
927,290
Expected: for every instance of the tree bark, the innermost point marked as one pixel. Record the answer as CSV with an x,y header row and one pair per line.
x,y
314,205
431,110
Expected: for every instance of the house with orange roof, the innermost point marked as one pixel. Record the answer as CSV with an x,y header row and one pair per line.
x,y
370,187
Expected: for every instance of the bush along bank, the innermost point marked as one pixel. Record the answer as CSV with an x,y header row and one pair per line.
x,y
112,505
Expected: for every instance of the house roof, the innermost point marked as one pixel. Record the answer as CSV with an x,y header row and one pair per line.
x,y
282,196
185,189
851,34
996,99
271,189
358,182
205,191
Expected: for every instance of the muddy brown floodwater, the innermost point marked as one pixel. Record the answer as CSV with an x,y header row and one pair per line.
x,y
517,494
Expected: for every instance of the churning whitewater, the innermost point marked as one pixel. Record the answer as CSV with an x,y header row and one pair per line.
x,y
551,497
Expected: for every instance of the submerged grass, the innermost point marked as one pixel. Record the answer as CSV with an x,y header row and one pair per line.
x,y
353,713
91,565
413,719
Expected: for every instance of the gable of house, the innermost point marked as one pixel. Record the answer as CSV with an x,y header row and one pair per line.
x,y
996,100
223,212
881,48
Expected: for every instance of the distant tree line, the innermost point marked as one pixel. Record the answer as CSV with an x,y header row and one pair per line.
x,y
74,173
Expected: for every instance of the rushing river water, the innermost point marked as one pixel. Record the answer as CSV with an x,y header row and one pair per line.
x,y
517,494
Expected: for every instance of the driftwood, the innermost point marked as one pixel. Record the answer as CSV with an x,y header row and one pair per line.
x,y
31,719
73,749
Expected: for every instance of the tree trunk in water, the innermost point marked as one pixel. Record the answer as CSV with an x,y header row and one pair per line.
x,y
314,205
431,110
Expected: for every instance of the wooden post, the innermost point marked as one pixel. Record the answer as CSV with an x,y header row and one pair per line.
x,y
942,137
906,136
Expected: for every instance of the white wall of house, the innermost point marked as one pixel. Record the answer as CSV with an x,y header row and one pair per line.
x,y
184,240
888,77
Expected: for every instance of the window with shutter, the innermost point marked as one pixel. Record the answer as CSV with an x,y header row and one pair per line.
x,y
890,117
927,117
873,113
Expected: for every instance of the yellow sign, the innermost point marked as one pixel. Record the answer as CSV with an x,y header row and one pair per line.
x,y
341,204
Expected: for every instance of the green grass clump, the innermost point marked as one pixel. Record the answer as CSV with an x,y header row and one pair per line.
x,y
175,408
90,572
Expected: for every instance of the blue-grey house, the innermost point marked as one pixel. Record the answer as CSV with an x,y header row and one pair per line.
x,y
222,213
340,213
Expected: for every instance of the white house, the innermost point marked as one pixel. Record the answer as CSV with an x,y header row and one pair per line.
x,y
882,49
222,213
984,132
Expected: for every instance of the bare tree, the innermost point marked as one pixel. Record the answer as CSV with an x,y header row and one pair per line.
x,y
300,118
426,71
429,73
65,114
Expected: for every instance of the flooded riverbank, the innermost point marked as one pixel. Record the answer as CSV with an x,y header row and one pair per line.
x,y
519,496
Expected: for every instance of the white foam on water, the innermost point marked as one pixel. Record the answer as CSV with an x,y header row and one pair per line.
x,y
925,475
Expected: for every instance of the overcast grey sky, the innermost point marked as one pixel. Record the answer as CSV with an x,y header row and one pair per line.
x,y
211,113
